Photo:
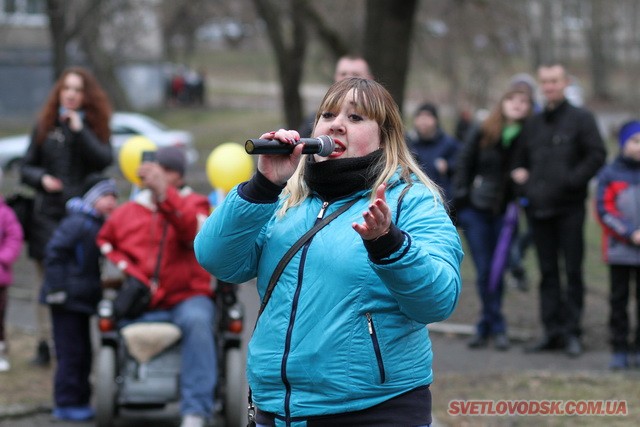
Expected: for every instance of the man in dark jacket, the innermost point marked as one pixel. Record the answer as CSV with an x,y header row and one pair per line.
x,y
562,151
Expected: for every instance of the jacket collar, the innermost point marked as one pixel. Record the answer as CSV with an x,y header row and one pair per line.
x,y
145,197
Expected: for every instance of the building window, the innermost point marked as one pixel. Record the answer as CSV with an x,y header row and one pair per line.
x,y
35,6
23,12
9,6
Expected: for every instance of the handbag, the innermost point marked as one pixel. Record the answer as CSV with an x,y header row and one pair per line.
x,y
134,296
485,194
22,205
132,300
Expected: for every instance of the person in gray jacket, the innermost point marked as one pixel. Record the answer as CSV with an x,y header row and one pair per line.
x,y
617,201
342,339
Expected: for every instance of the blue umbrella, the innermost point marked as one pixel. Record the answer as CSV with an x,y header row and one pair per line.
x,y
501,252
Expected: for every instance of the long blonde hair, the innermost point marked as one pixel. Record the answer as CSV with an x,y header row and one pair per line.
x,y
371,100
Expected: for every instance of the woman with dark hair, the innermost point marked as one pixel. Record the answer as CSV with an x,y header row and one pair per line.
x,y
482,190
70,141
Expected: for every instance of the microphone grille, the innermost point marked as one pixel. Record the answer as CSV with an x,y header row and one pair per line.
x,y
327,145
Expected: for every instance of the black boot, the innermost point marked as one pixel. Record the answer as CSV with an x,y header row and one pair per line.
x,y
43,356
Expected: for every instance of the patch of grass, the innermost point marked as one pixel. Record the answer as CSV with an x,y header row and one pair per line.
x,y
23,385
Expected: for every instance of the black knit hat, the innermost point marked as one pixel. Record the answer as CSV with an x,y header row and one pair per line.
x,y
431,108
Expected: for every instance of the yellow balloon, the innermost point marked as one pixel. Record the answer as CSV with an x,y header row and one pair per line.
x,y
228,165
130,156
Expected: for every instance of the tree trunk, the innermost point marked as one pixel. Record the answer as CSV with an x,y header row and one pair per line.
x,y
388,31
290,53
102,63
597,38
57,25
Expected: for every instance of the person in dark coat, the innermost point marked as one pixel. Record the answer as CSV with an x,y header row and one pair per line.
x,y
482,188
435,150
70,141
72,290
562,151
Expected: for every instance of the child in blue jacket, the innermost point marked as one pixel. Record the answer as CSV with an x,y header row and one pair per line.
x,y
72,290
618,210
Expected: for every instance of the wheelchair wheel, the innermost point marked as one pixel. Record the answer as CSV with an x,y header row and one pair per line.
x,y
235,402
106,386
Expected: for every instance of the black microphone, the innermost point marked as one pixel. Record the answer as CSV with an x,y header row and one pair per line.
x,y
322,146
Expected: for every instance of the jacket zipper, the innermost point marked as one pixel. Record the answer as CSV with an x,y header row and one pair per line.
x,y
294,309
376,346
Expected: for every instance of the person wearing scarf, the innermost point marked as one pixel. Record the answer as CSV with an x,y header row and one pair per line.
x,y
342,339
482,190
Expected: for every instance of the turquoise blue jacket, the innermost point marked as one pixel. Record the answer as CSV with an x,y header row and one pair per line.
x,y
340,332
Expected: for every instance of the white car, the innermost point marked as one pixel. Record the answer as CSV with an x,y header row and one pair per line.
x,y
124,125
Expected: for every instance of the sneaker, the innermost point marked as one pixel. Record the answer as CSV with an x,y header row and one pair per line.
x,y
517,279
43,355
478,341
4,364
619,361
4,360
501,342
73,413
192,421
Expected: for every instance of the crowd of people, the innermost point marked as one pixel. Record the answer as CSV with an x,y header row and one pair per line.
x,y
377,229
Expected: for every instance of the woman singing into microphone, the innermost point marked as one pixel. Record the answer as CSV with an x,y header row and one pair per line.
x,y
342,339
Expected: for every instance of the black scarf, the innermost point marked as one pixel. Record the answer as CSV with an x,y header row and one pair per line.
x,y
333,179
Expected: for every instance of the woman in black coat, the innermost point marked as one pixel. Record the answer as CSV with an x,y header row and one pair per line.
x,y
70,141
482,189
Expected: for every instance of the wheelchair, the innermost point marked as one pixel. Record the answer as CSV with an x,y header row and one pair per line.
x,y
138,366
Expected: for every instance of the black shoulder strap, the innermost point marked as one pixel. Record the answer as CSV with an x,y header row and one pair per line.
x,y
285,260
405,190
295,248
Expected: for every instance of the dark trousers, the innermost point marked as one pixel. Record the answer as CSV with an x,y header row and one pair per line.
x,y
481,229
72,339
620,279
556,238
4,296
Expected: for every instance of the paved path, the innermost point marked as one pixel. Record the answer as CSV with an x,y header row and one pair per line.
x,y
452,355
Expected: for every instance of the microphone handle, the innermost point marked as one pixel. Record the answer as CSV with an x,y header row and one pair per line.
x,y
270,146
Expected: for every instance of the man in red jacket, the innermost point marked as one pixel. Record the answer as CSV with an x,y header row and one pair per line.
x,y
151,239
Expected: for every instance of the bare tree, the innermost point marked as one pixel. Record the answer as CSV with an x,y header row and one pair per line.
x,y
598,38
65,26
388,31
387,36
82,21
102,61
286,31
180,21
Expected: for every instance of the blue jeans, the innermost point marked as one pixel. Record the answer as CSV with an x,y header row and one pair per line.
x,y
482,229
195,318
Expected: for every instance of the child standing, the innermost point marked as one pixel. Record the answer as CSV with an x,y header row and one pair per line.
x,y
10,246
72,290
617,203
